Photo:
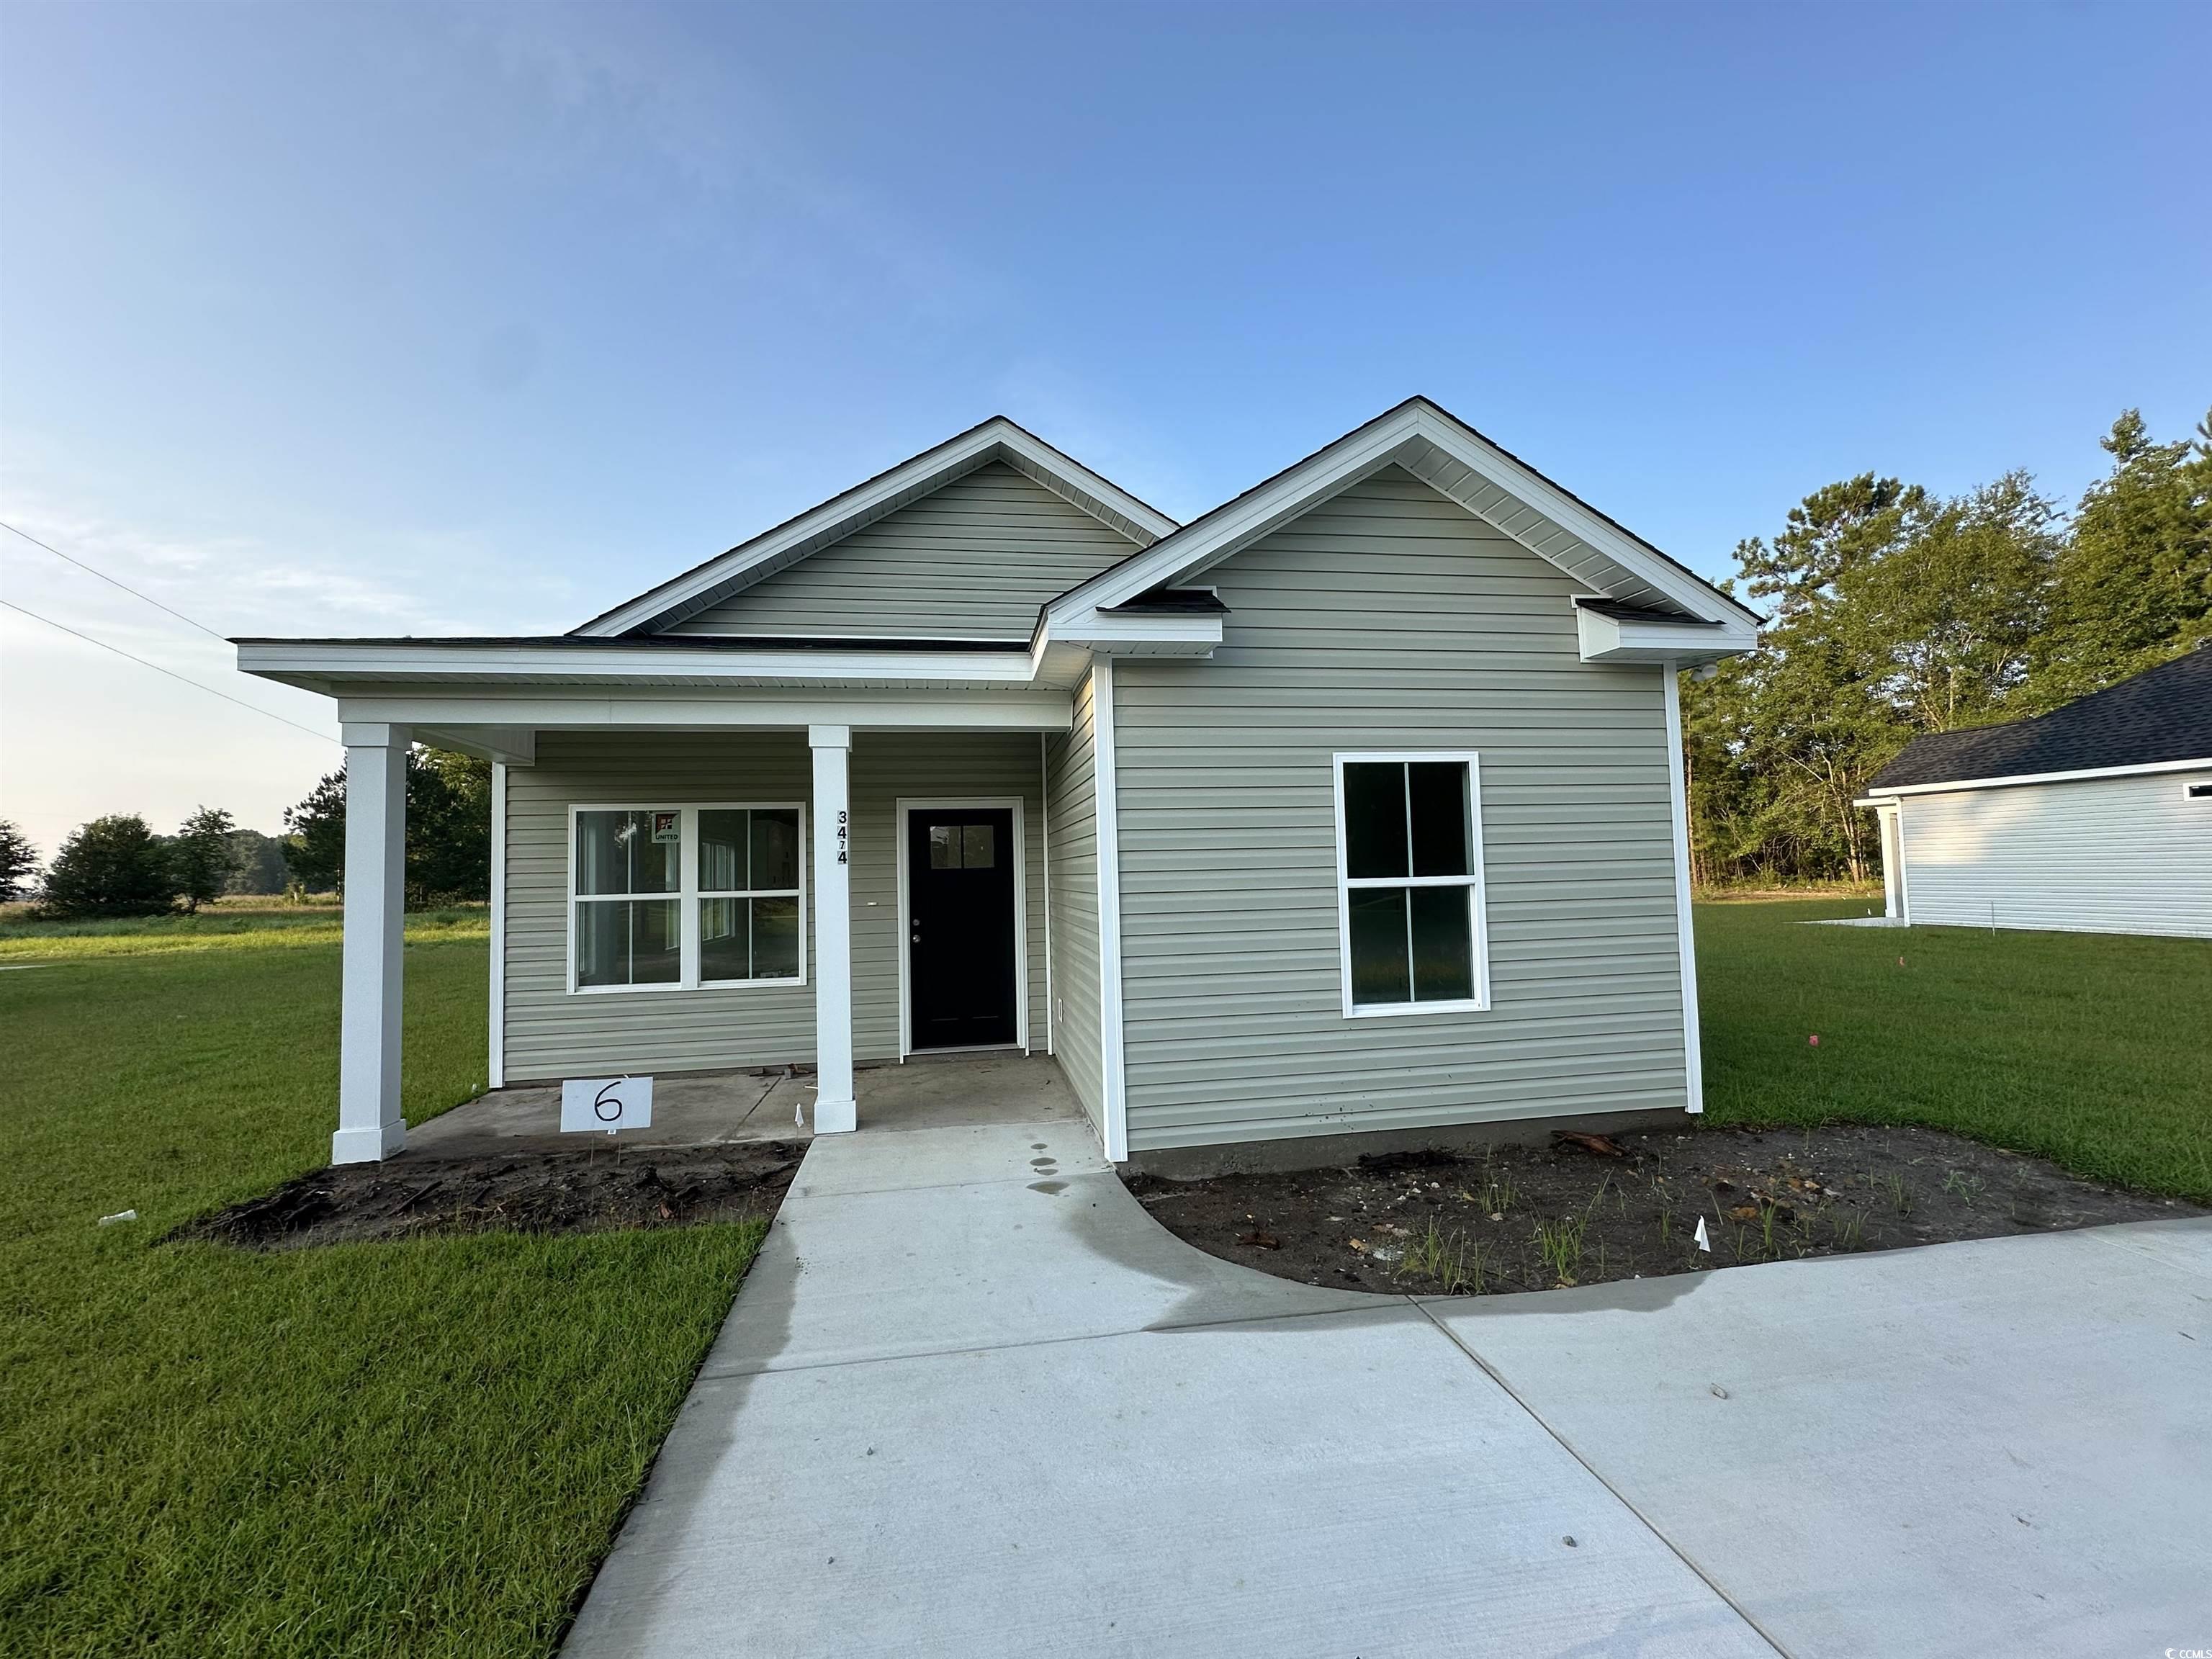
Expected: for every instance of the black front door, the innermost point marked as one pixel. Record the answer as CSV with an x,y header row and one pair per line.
x,y
960,926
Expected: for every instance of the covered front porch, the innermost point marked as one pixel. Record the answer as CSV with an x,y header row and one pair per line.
x,y
682,887
715,853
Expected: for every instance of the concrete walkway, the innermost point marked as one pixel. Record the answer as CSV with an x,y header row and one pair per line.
x,y
973,1401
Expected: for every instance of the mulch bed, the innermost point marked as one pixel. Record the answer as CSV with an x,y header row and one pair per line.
x,y
1587,1209
563,1191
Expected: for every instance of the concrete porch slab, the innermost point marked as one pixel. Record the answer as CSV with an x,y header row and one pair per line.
x,y
690,1108
705,1108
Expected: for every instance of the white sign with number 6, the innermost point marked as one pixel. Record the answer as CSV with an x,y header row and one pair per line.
x,y
605,1103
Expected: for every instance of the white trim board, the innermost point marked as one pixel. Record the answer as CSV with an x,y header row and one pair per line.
x,y
1685,939
996,440
316,664
1044,865
1457,462
1881,796
1113,1055
901,807
496,1072
576,708
1478,900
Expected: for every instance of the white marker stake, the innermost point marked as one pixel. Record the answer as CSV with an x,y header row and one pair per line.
x,y
1703,1244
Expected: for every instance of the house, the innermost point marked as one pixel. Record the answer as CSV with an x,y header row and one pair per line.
x,y
1351,806
2095,818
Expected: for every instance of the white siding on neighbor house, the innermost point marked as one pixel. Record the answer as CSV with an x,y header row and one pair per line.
x,y
2098,856
550,1033
974,560
1072,781
1391,618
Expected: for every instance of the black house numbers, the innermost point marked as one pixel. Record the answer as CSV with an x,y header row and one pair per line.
x,y
844,833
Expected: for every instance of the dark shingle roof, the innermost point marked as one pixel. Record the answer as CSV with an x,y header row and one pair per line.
x,y
1197,600
2163,713
1620,611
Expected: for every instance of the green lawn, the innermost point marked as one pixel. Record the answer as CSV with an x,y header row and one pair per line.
x,y
424,1448
418,1448
2095,1050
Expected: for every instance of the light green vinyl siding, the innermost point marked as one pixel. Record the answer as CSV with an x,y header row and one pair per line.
x,y
1389,618
974,560
550,1033
1071,784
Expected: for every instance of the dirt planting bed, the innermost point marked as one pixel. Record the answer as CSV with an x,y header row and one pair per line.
x,y
1583,1210
553,1192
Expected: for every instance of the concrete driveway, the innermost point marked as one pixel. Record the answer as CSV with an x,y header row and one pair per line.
x,y
972,1400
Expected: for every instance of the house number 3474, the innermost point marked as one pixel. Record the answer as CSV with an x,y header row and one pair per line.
x,y
844,832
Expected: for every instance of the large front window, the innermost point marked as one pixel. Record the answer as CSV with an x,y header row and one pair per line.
x,y
680,896
1409,900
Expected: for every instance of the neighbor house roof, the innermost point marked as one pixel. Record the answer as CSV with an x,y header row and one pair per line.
x,y
2161,715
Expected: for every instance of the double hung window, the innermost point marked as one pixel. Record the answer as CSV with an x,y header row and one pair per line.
x,y
672,897
1409,889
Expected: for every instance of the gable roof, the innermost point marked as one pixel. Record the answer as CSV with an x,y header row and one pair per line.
x,y
995,439
2162,715
1458,462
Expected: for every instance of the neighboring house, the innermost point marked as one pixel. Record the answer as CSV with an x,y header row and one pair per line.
x,y
1354,805
2095,818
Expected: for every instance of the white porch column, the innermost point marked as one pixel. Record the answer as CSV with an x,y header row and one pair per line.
x,y
370,1124
833,931
1892,861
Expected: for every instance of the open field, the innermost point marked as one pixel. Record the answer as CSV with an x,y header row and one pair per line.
x,y
421,1446
228,925
2094,1050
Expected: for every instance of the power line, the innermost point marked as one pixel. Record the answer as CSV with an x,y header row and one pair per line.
x,y
111,582
172,673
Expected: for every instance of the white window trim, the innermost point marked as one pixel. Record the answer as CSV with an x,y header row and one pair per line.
x,y
1478,897
905,805
687,897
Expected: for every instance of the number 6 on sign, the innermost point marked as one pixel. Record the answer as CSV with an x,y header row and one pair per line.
x,y
605,1103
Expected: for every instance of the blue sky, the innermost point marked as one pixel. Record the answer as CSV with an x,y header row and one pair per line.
x,y
403,319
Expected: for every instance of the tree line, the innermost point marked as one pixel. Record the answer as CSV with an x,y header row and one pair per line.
x,y
117,865
1894,611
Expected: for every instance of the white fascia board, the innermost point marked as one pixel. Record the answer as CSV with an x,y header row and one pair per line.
x,y
1890,797
557,708
997,438
325,665
1156,635
1414,434
1614,639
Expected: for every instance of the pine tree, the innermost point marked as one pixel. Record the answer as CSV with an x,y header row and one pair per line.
x,y
201,857
18,862
112,867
